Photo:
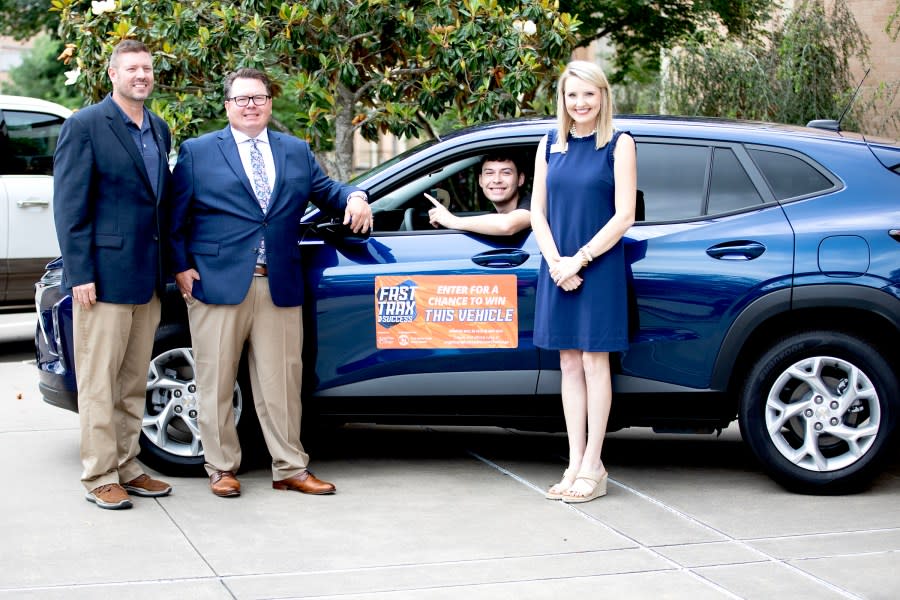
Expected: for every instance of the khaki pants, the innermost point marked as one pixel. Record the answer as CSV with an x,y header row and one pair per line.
x,y
275,337
113,346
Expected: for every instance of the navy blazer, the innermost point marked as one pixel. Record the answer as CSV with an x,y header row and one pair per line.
x,y
216,221
107,216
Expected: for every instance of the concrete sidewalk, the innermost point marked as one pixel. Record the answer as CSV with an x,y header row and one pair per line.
x,y
439,513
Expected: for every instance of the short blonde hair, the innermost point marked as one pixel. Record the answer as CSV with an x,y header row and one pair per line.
x,y
593,74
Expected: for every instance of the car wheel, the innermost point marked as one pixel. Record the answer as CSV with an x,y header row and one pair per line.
x,y
818,410
170,436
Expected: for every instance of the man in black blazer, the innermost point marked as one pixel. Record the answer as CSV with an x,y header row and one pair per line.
x,y
110,176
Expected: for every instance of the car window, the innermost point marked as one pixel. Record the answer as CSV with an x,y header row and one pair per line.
x,y
673,179
730,187
454,184
789,176
32,141
4,144
405,208
459,192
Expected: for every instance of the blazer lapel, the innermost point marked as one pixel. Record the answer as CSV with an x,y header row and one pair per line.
x,y
156,128
121,132
279,156
229,150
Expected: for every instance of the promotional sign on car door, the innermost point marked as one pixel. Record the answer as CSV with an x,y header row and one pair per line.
x,y
446,311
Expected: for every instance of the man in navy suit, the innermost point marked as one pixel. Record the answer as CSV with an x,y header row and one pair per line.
x,y
110,175
239,195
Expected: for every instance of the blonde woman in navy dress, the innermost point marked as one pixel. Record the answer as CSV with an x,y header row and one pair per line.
x,y
582,204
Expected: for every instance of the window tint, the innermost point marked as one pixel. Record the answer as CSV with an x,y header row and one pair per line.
x,y
4,145
459,191
788,175
730,187
673,179
405,208
454,184
32,140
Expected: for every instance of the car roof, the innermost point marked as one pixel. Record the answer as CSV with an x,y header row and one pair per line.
x,y
526,130
33,104
713,128
730,130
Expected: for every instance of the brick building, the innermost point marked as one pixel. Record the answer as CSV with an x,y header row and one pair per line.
x,y
884,61
11,52
882,117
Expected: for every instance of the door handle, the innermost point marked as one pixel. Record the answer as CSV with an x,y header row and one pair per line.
x,y
32,202
501,258
738,250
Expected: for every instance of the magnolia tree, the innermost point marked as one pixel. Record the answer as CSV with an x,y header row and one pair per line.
x,y
341,65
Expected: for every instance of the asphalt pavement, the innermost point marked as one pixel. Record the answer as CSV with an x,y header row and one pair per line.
x,y
437,513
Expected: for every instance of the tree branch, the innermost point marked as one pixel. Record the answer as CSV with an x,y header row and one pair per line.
x,y
426,125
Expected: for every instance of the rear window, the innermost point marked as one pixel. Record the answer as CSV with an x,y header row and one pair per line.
x,y
687,181
789,176
730,188
673,179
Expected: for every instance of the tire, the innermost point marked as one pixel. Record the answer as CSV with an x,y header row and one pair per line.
x,y
819,411
170,437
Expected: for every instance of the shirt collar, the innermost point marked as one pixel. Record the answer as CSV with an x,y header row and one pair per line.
x,y
240,137
128,120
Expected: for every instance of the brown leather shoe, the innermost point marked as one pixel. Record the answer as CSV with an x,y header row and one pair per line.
x,y
148,487
112,496
224,484
305,482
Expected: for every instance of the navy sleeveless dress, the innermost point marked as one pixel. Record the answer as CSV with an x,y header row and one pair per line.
x,y
580,200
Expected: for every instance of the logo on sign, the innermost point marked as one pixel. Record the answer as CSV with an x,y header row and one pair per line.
x,y
396,304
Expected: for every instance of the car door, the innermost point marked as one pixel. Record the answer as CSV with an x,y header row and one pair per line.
x,y
713,240
4,207
28,192
342,310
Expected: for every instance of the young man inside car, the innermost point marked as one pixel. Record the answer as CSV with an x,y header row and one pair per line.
x,y
501,180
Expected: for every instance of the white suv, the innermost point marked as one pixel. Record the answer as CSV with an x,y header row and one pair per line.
x,y
29,129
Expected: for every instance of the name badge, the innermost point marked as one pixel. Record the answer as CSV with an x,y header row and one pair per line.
x,y
555,147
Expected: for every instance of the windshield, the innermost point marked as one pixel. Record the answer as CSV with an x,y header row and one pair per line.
x,y
381,167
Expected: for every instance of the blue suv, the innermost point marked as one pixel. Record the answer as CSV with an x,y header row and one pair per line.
x,y
764,287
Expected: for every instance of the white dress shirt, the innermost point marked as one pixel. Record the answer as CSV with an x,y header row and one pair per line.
x,y
245,143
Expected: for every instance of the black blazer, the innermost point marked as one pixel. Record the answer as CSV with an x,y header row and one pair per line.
x,y
107,216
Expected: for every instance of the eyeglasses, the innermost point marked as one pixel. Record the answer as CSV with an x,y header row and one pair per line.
x,y
243,101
